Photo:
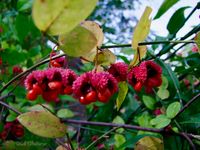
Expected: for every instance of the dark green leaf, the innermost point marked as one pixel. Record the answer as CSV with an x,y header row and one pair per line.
x,y
176,21
165,7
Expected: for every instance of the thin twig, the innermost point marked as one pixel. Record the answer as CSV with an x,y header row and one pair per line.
x,y
147,43
188,104
83,122
69,141
183,134
9,107
94,142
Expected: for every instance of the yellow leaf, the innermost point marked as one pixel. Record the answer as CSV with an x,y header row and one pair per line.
x,y
139,54
98,33
123,89
60,16
142,28
105,57
78,42
149,143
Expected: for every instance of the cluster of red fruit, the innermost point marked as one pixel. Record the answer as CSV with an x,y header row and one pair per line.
x,y
91,86
12,129
58,62
49,83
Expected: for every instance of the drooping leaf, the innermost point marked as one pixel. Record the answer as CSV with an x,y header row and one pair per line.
x,y
165,7
149,102
99,35
173,109
119,120
78,42
123,89
60,16
160,121
150,143
65,113
139,54
197,40
142,28
43,123
105,58
177,20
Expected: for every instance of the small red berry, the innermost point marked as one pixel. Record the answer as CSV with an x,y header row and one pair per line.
x,y
1,61
50,95
17,130
83,101
17,70
68,90
55,85
157,112
94,138
3,135
91,96
104,96
54,63
37,89
31,95
138,86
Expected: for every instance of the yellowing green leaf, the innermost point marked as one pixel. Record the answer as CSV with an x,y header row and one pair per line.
x,y
163,93
123,89
105,57
142,28
149,143
197,40
98,33
139,54
160,121
60,16
78,42
43,123
119,140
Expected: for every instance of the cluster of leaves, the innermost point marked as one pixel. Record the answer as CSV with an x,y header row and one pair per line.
x,y
24,42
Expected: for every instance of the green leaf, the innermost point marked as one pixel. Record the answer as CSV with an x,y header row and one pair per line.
x,y
119,120
164,84
164,7
105,58
78,42
149,102
43,123
60,16
144,120
119,140
173,109
11,117
160,121
65,113
123,89
163,93
176,21
24,5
